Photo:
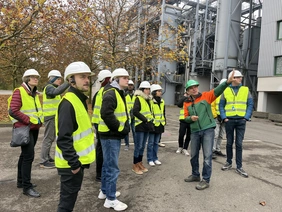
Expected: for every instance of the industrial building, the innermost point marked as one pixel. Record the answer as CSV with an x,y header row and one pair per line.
x,y
218,35
270,59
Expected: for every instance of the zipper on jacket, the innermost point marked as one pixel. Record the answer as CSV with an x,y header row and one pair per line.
x,y
193,107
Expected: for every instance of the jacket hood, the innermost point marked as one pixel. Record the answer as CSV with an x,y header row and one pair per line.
x,y
142,94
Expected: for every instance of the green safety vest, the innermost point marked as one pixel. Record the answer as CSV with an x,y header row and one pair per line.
x,y
145,111
30,106
236,104
83,137
97,106
120,113
181,114
158,113
50,106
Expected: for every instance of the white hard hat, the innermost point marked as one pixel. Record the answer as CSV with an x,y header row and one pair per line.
x,y
155,87
236,74
54,73
119,72
130,82
104,74
145,84
76,68
222,81
30,72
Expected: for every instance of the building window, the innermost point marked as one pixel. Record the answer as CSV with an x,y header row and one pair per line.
x,y
278,65
279,31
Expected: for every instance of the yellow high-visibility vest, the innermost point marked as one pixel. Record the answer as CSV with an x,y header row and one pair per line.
x,y
31,106
217,105
181,114
50,106
120,113
236,104
145,111
97,106
158,113
129,101
83,137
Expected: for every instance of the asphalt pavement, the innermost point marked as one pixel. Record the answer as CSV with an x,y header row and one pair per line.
x,y
162,188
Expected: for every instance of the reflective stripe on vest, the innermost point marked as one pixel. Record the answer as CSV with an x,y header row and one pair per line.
x,y
83,137
97,106
145,110
129,102
120,113
30,106
50,105
158,113
236,105
181,114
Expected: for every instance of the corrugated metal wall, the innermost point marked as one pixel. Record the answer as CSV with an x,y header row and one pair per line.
x,y
269,45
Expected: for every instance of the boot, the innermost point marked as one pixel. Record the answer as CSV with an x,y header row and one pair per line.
x,y
142,167
136,169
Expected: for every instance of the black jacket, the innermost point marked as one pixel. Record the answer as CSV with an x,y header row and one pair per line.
x,y
66,126
109,104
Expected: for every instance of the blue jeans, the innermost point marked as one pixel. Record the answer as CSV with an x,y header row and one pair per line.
x,y
153,146
239,126
132,126
205,139
140,143
110,170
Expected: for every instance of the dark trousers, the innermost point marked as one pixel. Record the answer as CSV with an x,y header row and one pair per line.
x,y
184,128
99,154
70,186
25,161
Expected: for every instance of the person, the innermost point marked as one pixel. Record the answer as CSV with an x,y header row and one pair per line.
x,y
143,125
197,112
113,126
25,109
159,121
104,77
51,98
184,128
219,129
75,149
129,102
236,106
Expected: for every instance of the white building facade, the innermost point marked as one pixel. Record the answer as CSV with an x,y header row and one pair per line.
x,y
270,59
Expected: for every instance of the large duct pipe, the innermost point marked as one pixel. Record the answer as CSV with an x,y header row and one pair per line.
x,y
227,36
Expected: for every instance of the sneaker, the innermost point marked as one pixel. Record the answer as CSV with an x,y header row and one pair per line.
x,y
115,204
202,185
227,166
185,152
157,162
161,144
219,153
47,165
192,178
51,160
213,155
103,196
242,172
151,163
126,148
179,150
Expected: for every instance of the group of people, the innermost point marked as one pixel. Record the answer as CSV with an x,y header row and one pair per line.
x,y
117,108
233,108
